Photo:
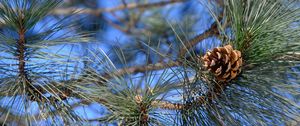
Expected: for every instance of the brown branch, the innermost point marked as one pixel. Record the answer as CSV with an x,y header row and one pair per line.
x,y
212,94
213,30
200,100
67,11
116,26
137,69
63,93
167,105
21,49
290,56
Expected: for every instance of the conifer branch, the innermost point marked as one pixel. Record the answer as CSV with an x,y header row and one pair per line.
x,y
21,50
137,69
200,100
213,30
67,11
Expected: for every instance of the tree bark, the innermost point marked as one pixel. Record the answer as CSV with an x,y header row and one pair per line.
x,y
21,52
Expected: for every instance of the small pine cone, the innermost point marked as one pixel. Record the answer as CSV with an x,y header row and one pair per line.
x,y
224,62
138,99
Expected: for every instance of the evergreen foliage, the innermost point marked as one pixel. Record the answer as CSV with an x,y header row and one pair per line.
x,y
53,65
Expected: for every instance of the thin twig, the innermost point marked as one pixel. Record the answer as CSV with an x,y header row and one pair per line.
x,y
67,11
213,30
137,69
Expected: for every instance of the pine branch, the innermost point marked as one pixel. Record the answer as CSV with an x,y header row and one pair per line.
x,y
71,10
120,72
290,56
213,30
200,100
21,50
67,11
137,69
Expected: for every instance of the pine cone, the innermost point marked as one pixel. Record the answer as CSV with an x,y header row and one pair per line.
x,y
224,62
138,99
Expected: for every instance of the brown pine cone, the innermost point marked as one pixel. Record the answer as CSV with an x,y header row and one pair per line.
x,y
224,62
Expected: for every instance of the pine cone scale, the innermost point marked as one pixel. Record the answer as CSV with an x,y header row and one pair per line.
x,y
228,68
